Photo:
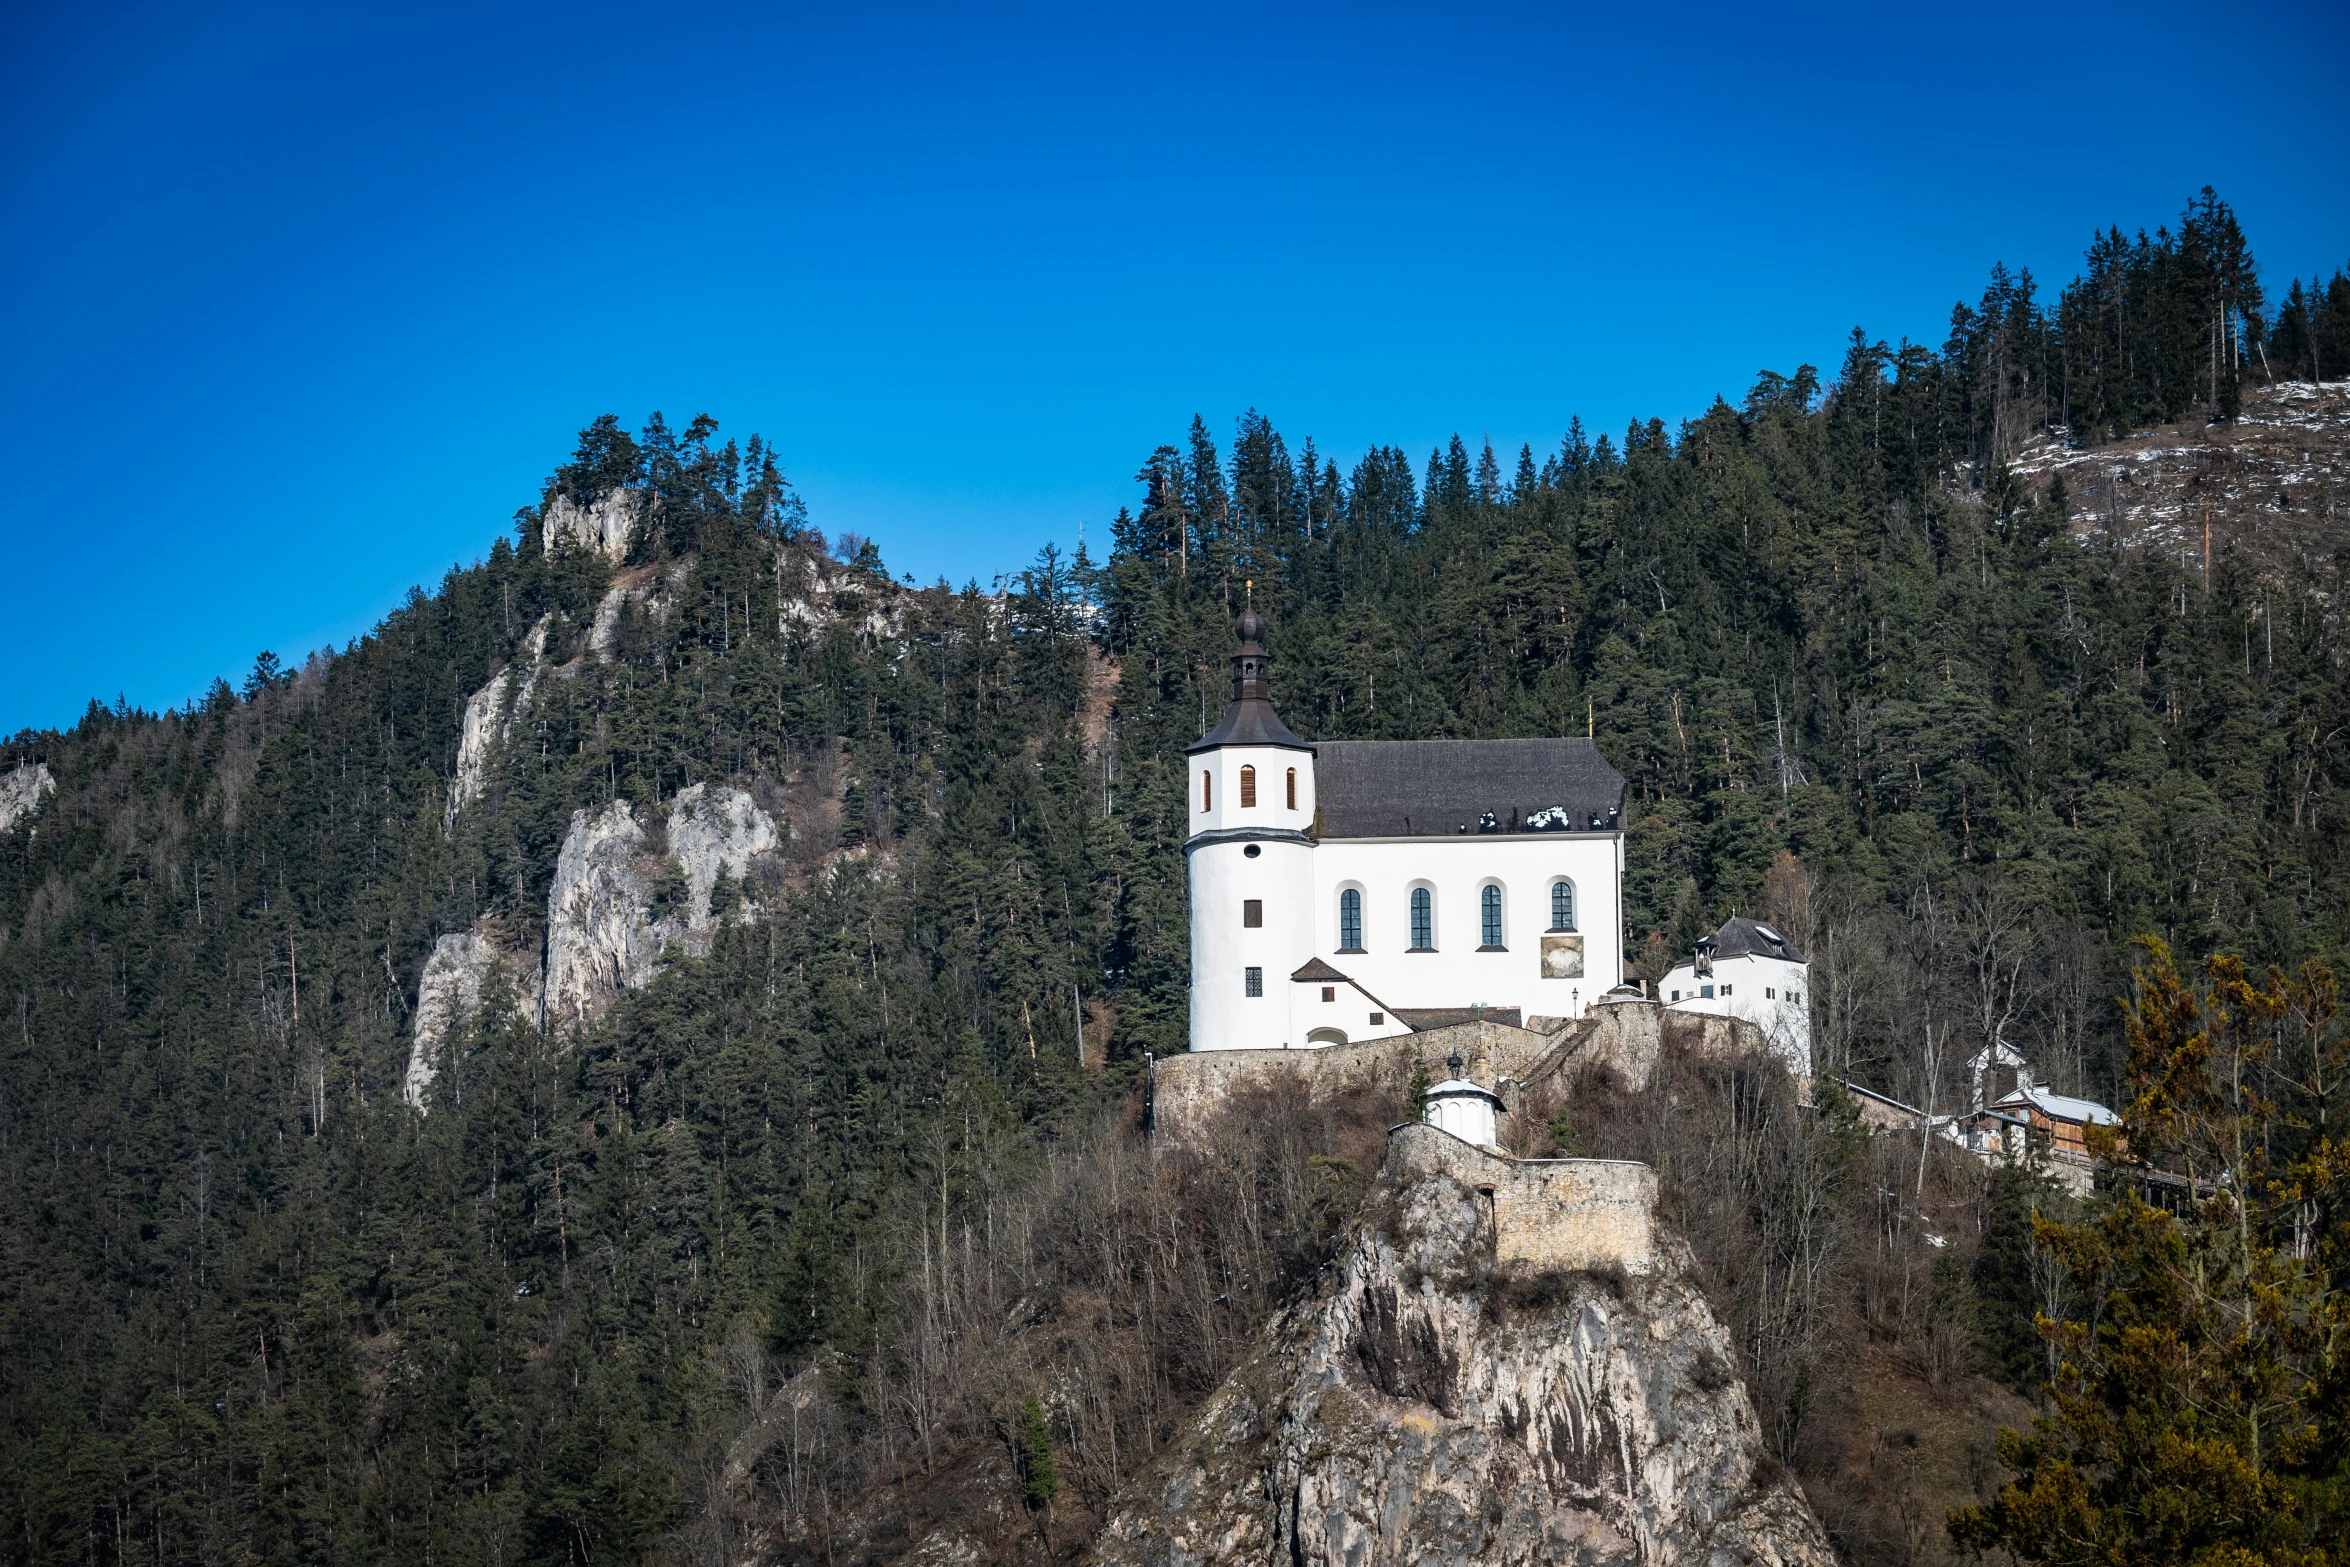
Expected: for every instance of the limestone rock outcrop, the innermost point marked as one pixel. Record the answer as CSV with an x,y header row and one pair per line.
x,y
490,714
714,829
21,793
604,934
656,591
600,939
605,525
1436,1404
448,998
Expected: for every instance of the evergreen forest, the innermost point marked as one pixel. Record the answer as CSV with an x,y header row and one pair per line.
x,y
880,1143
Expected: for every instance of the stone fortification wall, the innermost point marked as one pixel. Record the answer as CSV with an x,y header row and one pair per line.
x,y
1188,1091
1549,1215
1626,1038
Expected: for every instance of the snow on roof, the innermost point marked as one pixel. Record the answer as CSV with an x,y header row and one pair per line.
x,y
1442,788
2062,1107
1453,1087
1744,938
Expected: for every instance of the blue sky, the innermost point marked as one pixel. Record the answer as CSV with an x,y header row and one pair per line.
x,y
301,303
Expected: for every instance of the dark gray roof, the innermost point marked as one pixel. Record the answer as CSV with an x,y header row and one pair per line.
x,y
1248,720
1436,788
1740,937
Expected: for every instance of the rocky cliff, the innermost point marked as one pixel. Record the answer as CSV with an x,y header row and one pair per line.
x,y
1434,1403
21,793
489,719
449,996
605,525
604,931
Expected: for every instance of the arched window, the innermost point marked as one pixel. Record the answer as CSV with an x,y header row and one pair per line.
x,y
1562,905
1293,788
1350,920
1489,917
1248,788
1207,791
1423,921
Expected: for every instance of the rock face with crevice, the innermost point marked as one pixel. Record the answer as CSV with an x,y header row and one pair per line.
x,y
448,999
1435,1405
600,940
605,525
604,934
490,714
715,829
21,791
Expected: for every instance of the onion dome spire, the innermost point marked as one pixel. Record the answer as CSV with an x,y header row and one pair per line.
x,y
1250,719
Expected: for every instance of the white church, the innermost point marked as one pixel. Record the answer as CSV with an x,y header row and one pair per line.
x,y
1357,889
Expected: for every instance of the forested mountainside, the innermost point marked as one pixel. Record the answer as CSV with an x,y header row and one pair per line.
x,y
821,1202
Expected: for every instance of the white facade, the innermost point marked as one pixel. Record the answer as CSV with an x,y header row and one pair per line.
x,y
1460,1107
1267,891
1772,993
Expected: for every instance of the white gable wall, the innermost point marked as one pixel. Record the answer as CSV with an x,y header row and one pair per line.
x,y
1757,989
1347,1013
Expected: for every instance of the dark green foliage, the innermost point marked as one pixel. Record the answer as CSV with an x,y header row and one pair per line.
x,y
1040,1481
2016,1280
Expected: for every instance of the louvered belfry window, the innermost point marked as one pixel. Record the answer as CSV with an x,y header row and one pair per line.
x,y
1248,788
1293,788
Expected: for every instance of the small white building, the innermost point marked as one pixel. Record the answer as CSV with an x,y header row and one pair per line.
x,y
1748,970
1468,1110
1997,1072
1356,889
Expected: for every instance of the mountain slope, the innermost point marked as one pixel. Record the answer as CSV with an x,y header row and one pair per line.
x,y
814,1103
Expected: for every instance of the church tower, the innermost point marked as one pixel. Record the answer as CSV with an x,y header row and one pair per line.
x,y
1250,860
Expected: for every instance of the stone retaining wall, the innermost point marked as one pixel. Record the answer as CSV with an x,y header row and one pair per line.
x,y
1549,1215
1189,1090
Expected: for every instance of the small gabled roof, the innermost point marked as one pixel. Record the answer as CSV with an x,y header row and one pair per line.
x,y
1315,971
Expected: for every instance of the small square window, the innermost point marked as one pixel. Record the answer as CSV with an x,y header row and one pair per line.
x,y
1725,990
1769,994
1329,992
1252,913
1256,981
1378,1017
1676,995
1705,992
1795,998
